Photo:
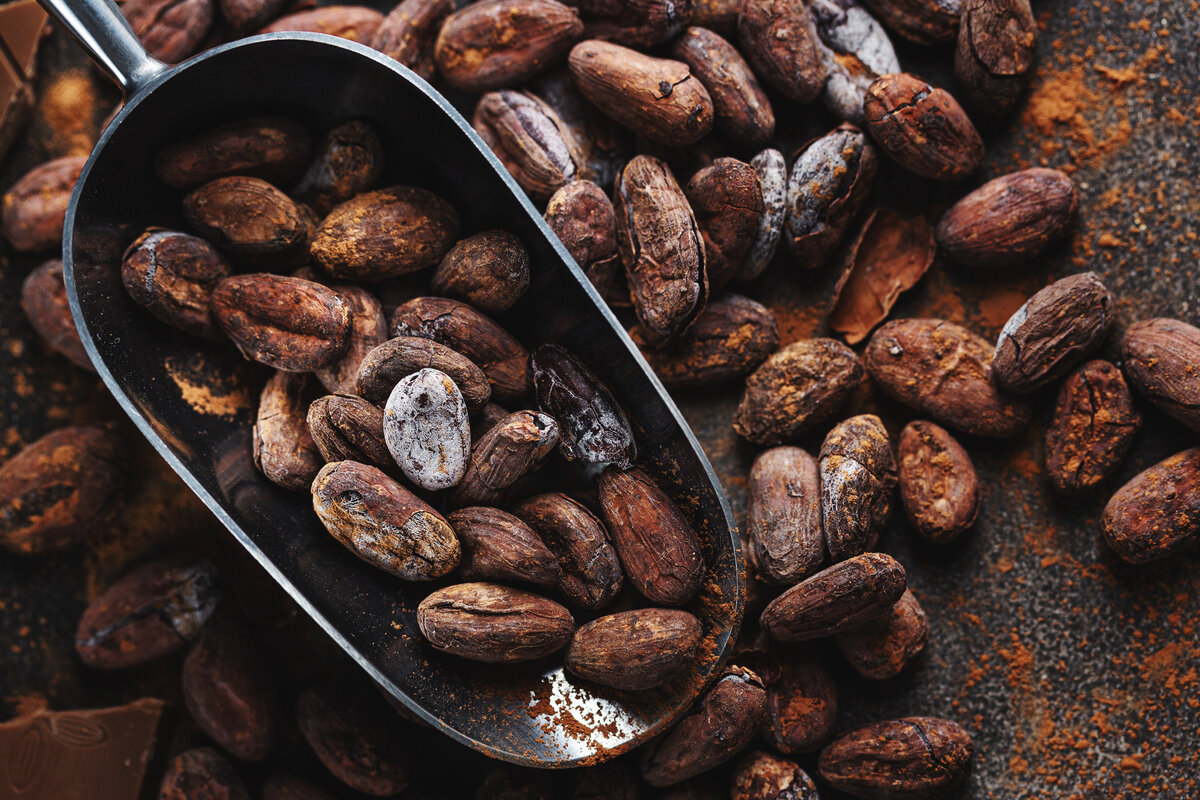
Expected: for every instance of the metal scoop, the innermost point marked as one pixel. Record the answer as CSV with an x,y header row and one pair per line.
x,y
195,401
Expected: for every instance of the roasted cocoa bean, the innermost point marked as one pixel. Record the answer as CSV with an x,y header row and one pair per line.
x,y
944,371
661,248
250,218
582,217
591,572
386,364
35,208
997,43
59,489
839,598
779,40
938,484
883,647
716,15
506,454
172,275
170,30
368,329
829,182
383,523
922,128
725,721
641,24
501,43
741,109
593,427
772,174
475,336
409,32
657,546
656,97
274,149
783,516
348,428
858,482
427,431
284,450
356,23
763,776
496,546
530,139
1008,220
1094,424
201,774
856,50
798,388
245,16
149,612
903,759
1157,511
44,301
349,160
493,623
801,706
634,650
385,233
1160,358
489,270
920,21
360,749
727,201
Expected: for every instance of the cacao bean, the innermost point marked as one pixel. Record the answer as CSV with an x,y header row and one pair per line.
x,y
274,149
591,572
839,598
493,623
727,201
506,454
1094,424
858,481
489,270
172,275
938,484
358,748
348,428
1160,358
35,208
634,650
922,128
496,546
783,516
741,110
386,364
284,450
883,647
427,431
593,427
1157,511
44,301
903,759
349,160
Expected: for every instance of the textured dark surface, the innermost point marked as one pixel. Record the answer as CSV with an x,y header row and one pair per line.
x,y
1075,674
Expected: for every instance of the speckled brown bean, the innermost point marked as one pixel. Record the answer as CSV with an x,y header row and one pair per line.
x,y
856,50
858,482
1093,426
356,23
783,516
1157,511
170,30
427,431
250,219
938,484
489,270
284,450
172,275
228,692
763,776
922,128
798,388
903,759
35,207
657,546
368,329
383,367
506,454
641,24
801,706
741,109
634,650
593,427
606,144
493,623
944,371
477,337
656,97
997,48
408,34
725,721
836,599
883,647
383,523
500,43
349,160
582,217
359,749
727,200
1010,219
496,546
149,612
1160,357
591,572
537,148
201,774
274,149
779,40
385,233
44,301
717,15
348,428
921,21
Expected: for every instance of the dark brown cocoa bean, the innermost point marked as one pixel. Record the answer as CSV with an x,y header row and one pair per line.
x,y
903,759
883,647
287,323
385,365
783,516
170,30
593,427
149,612
284,786
348,428
634,650
741,109
727,201
475,336
250,218
356,23
201,774
35,207
655,97
717,15
427,431
368,329
245,16
360,749
944,371
661,248
798,388
493,623
408,34
938,484
1160,358
506,454
641,24
383,523
921,21
489,270
841,597
349,160
856,50
284,450
582,217
59,489
531,141
496,546
1094,424
762,776
385,233
858,482
801,706
657,545
1008,220
44,301
725,721
274,149
772,173
779,40
922,128
1157,511
172,275
591,572
228,692
501,43
997,43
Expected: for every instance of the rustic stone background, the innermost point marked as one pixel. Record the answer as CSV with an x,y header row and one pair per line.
x,y
1075,674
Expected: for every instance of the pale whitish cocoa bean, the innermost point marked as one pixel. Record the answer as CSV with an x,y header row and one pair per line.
x,y
771,169
427,430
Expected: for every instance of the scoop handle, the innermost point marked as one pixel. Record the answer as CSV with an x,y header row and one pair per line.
x,y
106,36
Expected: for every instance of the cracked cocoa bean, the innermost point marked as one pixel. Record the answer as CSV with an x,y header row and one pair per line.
x,y
1160,358
250,219
201,773
763,776
496,546
356,23
493,623
858,481
839,598
922,128
995,55
348,428
509,452
44,301
591,572
780,42
856,50
741,109
35,208
427,431
1157,511
883,647
172,275
904,759
772,173
274,149
489,270
349,160
727,201
634,650
783,516
938,484
642,24
593,427
801,706
409,32
386,364
531,141
284,450
170,30
921,21
368,329
359,748
1093,426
